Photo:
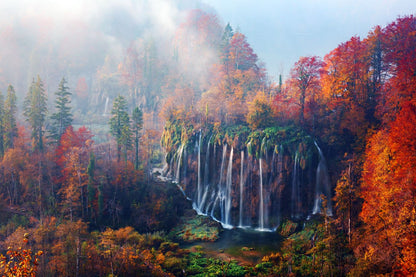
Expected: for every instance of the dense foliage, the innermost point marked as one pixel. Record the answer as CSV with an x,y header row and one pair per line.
x,y
93,214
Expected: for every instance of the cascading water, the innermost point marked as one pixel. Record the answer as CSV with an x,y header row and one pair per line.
x,y
219,196
227,198
206,180
107,100
199,172
240,222
322,186
279,182
179,162
261,204
270,186
295,188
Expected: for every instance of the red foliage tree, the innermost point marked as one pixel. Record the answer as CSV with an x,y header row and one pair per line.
x,y
304,84
389,193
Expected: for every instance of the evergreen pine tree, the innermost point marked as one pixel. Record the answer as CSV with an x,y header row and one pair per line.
x,y
35,110
120,126
9,119
137,125
62,118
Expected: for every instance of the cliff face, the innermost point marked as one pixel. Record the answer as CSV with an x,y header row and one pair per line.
x,y
250,179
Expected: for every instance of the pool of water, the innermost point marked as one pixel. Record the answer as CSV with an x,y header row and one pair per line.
x,y
247,244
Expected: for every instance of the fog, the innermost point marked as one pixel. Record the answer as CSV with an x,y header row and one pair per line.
x,y
75,39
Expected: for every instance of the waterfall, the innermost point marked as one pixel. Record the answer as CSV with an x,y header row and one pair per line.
x,y
261,205
206,179
179,161
270,183
107,99
240,223
295,187
279,181
269,188
219,196
227,198
199,188
322,185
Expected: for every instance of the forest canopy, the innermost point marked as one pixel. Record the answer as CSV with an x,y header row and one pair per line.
x,y
76,163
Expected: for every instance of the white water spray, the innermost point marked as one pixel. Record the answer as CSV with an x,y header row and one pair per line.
x,y
261,205
322,185
228,188
240,223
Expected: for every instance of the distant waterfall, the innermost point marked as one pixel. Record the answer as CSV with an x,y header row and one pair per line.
x,y
107,99
240,223
322,185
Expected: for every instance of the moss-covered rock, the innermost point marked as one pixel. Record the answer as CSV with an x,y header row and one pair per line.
x,y
196,228
287,228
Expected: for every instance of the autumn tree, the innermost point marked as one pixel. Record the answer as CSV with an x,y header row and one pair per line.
x,y
20,261
236,80
35,109
388,191
260,113
120,126
91,190
399,59
347,198
345,87
73,153
304,82
62,118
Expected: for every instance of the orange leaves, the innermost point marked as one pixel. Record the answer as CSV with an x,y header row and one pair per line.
x,y
72,155
241,55
259,112
389,191
20,262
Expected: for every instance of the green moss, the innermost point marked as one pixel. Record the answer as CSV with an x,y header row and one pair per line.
x,y
287,228
198,228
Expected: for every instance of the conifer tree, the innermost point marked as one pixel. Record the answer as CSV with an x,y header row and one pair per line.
x,y
9,119
35,110
62,118
137,125
120,125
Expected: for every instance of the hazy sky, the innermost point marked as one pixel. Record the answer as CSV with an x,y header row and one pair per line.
x,y
281,31
50,37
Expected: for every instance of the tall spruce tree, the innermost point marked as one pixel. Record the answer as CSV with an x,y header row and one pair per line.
x,y
137,125
62,118
35,110
9,119
120,126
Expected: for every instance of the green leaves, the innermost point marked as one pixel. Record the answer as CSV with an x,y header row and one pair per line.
x,y
120,125
35,110
62,118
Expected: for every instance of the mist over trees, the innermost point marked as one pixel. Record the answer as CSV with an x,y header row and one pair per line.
x,y
136,85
